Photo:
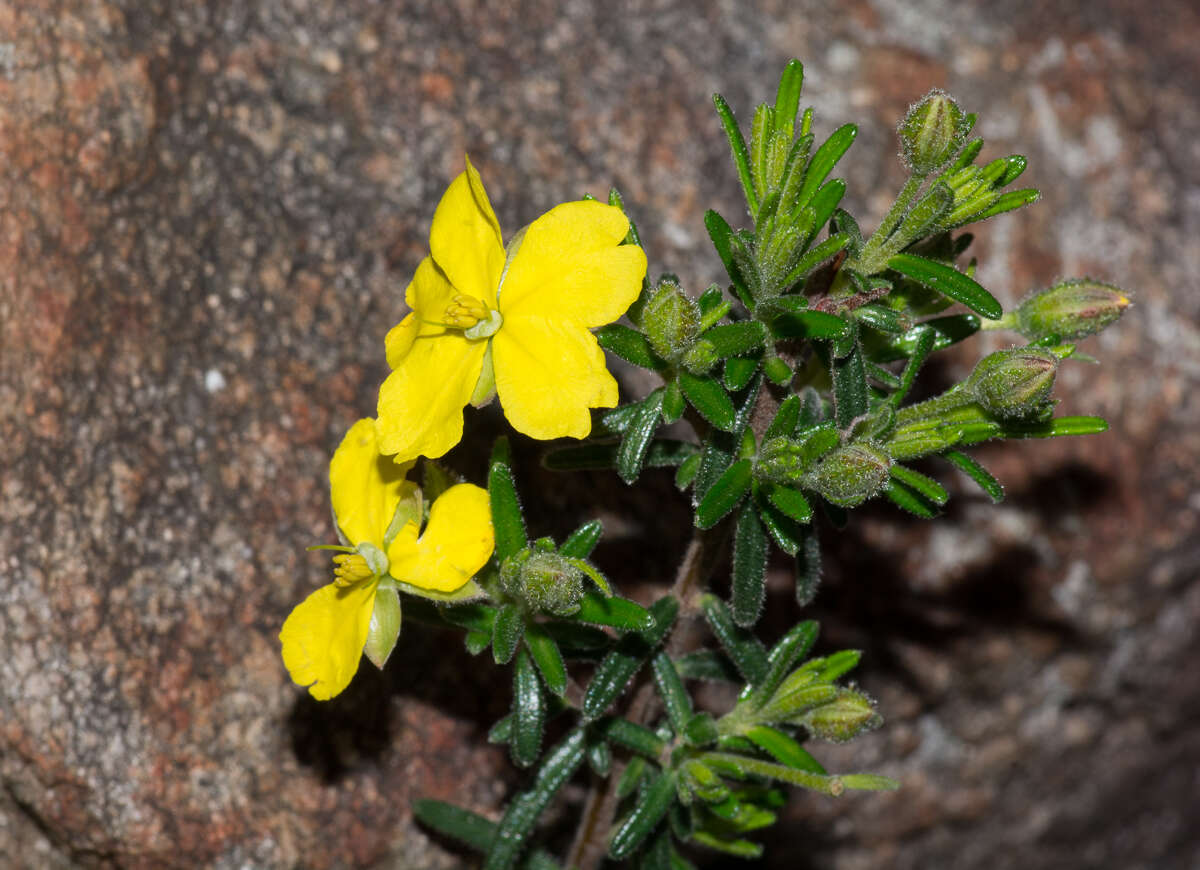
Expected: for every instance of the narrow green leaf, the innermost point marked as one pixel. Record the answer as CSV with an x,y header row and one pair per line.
x,y
701,730
869,782
707,664
791,501
634,737
808,567
502,731
977,473
749,579
582,541
618,667
725,494
804,323
455,822
547,657
1010,201
473,617
708,397
675,698
792,647
620,613
1057,427
738,372
673,404
740,766
949,282
825,158
506,633
599,758
784,531
784,749
592,455
632,452
825,202
744,648
507,520
515,827
787,98
761,128
737,145
926,486
722,238
907,498
737,339
850,392
882,319
629,344
838,664
635,770
647,812
738,848
687,471
529,712
784,422
920,352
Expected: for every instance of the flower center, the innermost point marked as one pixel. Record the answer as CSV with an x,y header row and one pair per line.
x,y
350,568
472,316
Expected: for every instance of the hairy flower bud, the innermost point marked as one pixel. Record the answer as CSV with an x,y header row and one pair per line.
x,y
700,357
932,132
544,580
850,475
1070,310
1013,383
671,321
850,714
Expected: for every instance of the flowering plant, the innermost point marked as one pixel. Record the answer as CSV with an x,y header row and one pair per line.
x,y
793,382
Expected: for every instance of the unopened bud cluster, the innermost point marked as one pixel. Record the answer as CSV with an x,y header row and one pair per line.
x,y
671,322
851,474
1015,383
1071,310
932,132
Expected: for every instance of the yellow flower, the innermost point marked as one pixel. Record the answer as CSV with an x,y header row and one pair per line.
x,y
378,512
516,323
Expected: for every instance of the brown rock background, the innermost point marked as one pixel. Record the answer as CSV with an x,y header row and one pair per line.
x,y
208,213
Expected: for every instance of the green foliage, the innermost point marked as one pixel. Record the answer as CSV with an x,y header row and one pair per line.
x,y
794,379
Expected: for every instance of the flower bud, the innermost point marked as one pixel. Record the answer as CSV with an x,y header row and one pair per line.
x,y
1013,383
544,580
932,132
700,357
850,714
671,321
1070,310
850,475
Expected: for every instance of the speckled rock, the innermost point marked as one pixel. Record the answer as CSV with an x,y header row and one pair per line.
x,y
208,214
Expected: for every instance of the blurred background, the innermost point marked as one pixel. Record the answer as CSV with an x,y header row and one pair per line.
x,y
208,215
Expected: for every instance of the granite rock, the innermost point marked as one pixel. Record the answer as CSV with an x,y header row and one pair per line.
x,y
208,214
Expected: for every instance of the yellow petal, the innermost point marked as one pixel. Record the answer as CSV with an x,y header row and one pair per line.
x,y
456,542
365,486
548,374
323,637
465,238
571,266
421,402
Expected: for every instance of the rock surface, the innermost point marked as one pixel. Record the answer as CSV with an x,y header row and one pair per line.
x,y
208,214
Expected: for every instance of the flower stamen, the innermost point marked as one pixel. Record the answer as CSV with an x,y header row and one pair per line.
x,y
350,568
465,311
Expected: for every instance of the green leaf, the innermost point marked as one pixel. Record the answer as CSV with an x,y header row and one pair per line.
x,y
515,827
583,540
869,782
592,455
455,822
838,664
707,397
749,567
687,471
502,731
620,613
791,502
881,319
739,848
805,323
949,282
850,393
825,158
634,737
926,486
707,664
631,778
821,252
740,766
739,371
506,633
725,494
760,138
784,749
737,339
632,452
792,647
784,531
741,156
977,473
723,241
1057,427
787,98
507,520
784,422
599,758
647,812
909,499
826,200
529,712
673,405
547,657
808,568
744,648
629,344
473,617
1006,202
920,352
675,698
618,667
